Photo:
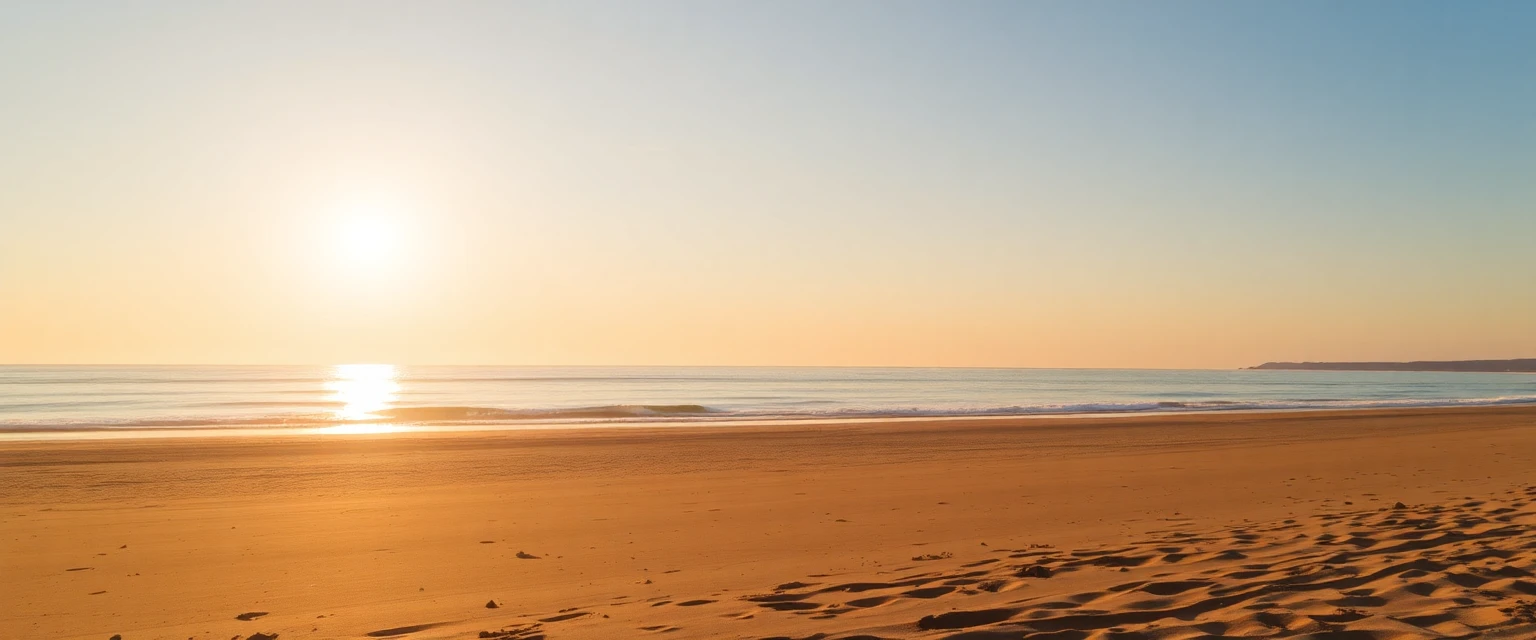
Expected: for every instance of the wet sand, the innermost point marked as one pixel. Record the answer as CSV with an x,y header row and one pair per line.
x,y
1173,526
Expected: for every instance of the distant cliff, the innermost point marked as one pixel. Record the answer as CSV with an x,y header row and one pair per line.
x,y
1522,365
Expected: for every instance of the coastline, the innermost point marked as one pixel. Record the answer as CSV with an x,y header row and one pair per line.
x,y
384,426
350,398
174,538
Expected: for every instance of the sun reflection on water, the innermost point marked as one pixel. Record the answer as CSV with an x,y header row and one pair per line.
x,y
363,390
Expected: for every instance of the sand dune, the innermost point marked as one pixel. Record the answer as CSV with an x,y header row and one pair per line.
x,y
1240,525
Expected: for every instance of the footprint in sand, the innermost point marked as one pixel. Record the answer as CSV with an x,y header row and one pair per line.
x,y
400,631
1448,571
564,617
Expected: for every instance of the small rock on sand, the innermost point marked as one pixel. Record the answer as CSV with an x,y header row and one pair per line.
x,y
1035,571
1399,506
250,615
527,556
261,636
491,604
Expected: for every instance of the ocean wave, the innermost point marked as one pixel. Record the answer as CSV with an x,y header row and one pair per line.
x,y
460,415
418,415
320,404
617,411
145,380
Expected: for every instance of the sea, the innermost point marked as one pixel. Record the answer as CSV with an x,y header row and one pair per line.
x,y
59,400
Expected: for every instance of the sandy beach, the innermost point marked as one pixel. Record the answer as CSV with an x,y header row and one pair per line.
x,y
693,320
1360,525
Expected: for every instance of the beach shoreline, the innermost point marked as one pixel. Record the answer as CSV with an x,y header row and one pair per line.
x,y
332,428
102,401
341,536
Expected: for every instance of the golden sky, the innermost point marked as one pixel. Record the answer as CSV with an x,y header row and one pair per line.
x,y
989,185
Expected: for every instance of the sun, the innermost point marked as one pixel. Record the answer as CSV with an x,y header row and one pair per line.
x,y
368,239
369,234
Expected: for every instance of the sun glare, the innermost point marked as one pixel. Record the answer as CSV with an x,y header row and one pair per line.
x,y
369,233
363,390
368,239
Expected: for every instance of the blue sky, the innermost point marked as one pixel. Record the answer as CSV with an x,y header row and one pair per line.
x,y
998,183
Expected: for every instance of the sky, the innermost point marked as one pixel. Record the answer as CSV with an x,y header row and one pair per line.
x,y
1034,184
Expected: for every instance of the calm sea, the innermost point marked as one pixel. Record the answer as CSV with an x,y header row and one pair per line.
x,y
63,399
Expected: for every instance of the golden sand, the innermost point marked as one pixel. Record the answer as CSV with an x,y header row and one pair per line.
x,y
1252,525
